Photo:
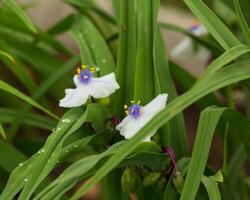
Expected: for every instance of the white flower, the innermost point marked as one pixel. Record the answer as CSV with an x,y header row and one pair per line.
x,y
87,85
138,116
185,48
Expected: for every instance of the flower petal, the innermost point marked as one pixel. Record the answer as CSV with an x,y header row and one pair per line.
x,y
75,97
76,81
155,106
103,86
130,126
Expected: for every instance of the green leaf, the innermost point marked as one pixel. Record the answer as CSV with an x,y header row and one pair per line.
x,y
2,132
6,55
243,24
7,116
211,187
213,24
94,49
8,88
10,155
206,128
12,5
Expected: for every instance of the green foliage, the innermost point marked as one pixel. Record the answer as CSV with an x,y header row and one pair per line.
x,y
49,153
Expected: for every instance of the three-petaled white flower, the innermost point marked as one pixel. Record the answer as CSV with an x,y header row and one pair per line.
x,y
138,116
87,85
185,48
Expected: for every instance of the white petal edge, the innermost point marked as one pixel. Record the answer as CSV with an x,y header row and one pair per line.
x,y
130,126
74,97
104,86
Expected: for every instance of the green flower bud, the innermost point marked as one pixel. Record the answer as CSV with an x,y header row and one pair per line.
x,y
178,181
129,180
151,179
103,101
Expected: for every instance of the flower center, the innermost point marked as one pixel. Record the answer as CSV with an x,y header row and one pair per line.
x,y
135,110
84,73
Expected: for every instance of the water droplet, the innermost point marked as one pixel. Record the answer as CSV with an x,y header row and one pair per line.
x,y
97,69
39,152
66,120
54,129
43,150
104,61
58,129
25,179
20,164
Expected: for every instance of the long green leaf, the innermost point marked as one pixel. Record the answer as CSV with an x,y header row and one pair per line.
x,y
12,5
213,24
8,88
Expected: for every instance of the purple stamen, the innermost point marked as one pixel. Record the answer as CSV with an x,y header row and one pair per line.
x,y
85,75
134,110
170,152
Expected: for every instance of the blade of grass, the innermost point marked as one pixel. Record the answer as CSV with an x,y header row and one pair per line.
x,y
2,132
6,55
243,24
213,24
211,187
12,5
8,88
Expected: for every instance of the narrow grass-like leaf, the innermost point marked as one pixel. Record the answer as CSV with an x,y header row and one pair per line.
x,y
213,24
94,49
206,128
6,55
8,88
211,187
12,5
7,116
2,132
10,155
125,70
243,24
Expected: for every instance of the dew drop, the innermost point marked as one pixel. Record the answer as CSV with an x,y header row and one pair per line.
x,y
58,129
54,129
97,69
20,164
66,120
25,179
43,150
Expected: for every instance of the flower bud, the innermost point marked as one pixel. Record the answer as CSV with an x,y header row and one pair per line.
x,y
129,180
178,181
151,178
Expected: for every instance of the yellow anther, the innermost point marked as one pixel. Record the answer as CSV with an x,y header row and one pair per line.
x,y
125,107
126,112
92,69
84,66
132,110
132,101
78,71
139,102
85,77
140,111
